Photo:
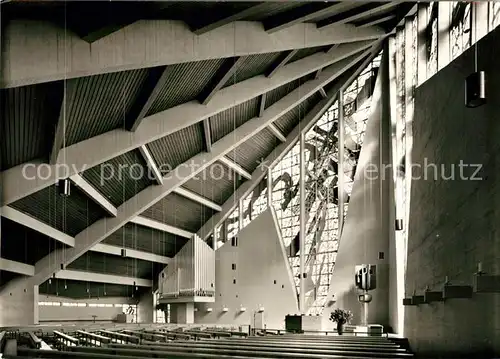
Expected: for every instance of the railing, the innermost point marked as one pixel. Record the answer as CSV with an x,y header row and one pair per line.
x,y
34,341
64,340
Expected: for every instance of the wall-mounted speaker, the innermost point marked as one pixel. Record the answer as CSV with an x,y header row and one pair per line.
x,y
398,224
475,89
64,187
124,252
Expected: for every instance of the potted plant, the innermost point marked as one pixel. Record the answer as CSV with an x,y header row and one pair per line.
x,y
341,317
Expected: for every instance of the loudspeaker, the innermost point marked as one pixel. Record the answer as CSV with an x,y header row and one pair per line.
x,y
124,252
399,224
64,187
366,276
475,89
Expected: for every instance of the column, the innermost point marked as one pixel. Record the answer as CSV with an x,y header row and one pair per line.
x,y
18,303
146,308
182,313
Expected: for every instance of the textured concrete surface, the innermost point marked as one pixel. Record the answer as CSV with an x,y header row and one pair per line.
x,y
366,230
18,304
454,224
260,261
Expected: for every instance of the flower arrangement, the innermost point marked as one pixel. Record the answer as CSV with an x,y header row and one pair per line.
x,y
341,316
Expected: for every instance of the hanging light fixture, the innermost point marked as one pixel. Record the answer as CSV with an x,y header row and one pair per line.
x,y
64,187
475,83
399,224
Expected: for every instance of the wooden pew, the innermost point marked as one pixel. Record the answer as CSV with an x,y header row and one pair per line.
x,y
147,335
323,338
238,334
318,342
217,334
175,335
106,352
281,347
282,352
65,339
198,335
92,338
124,338
26,353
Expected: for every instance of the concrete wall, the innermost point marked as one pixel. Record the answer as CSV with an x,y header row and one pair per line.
x,y
260,260
366,229
18,304
454,224
63,313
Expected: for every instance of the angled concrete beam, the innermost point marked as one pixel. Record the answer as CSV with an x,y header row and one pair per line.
x,y
279,152
281,61
276,131
102,278
33,223
151,223
207,132
65,55
155,81
322,92
30,222
16,267
136,205
302,14
367,23
235,167
262,105
357,13
224,20
151,164
94,195
332,48
228,69
197,198
130,253
60,130
118,22
23,180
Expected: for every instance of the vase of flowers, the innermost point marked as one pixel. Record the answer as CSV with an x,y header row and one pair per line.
x,y
341,317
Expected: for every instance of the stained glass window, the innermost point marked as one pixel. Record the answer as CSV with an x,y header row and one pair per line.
x,y
494,14
460,32
432,40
